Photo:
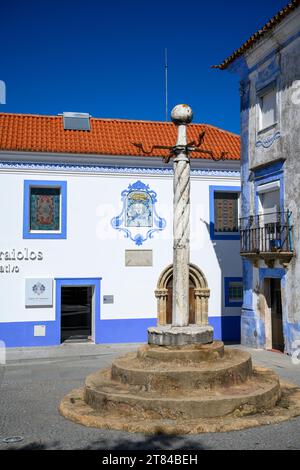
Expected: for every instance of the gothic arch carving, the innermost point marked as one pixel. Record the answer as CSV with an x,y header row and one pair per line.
x,y
201,293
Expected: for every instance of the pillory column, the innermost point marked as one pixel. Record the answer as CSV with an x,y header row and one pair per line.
x,y
181,116
180,332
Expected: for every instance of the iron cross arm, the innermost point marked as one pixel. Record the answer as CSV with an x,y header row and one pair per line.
x,y
190,147
153,147
194,147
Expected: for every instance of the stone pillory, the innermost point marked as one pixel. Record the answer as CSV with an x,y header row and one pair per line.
x,y
182,381
180,332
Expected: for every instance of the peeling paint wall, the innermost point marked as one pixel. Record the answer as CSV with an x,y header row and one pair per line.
x,y
273,62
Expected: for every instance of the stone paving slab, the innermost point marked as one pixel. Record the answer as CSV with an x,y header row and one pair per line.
x,y
65,350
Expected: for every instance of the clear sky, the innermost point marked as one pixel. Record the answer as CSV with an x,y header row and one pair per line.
x,y
107,57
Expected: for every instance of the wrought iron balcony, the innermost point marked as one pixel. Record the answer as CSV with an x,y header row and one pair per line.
x,y
268,236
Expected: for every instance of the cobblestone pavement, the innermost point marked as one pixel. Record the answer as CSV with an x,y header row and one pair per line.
x,y
35,379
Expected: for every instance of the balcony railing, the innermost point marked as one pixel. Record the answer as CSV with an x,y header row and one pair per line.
x,y
269,233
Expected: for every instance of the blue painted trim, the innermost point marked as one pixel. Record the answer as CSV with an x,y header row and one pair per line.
x,y
252,329
269,169
269,174
240,67
20,334
226,328
125,331
227,281
247,285
212,190
111,170
274,273
26,209
89,281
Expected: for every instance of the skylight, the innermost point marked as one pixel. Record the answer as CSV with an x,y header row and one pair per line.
x,y
76,121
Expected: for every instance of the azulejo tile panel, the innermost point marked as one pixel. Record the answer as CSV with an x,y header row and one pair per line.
x,y
138,219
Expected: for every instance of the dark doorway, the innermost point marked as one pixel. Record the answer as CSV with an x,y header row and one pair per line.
x,y
191,301
76,313
276,315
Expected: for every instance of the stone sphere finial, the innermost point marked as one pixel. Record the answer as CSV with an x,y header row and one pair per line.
x,y
182,114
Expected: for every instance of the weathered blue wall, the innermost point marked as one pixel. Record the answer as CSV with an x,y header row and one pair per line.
x,y
269,155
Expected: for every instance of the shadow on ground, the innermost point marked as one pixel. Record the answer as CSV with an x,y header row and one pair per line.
x,y
156,442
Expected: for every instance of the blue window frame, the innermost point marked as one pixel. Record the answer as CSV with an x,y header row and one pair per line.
x,y
233,287
269,174
56,227
214,234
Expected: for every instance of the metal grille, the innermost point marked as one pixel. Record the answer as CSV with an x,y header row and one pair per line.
x,y
265,233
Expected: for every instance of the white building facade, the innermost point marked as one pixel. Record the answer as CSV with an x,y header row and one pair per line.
x,y
86,240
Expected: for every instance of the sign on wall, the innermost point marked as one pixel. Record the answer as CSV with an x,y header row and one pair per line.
x,y
138,258
38,292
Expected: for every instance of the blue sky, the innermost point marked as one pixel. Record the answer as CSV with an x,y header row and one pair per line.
x,y
107,57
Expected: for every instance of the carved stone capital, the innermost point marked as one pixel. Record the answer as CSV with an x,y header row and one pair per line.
x,y
161,293
202,292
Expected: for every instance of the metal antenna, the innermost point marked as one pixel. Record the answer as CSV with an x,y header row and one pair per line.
x,y
166,81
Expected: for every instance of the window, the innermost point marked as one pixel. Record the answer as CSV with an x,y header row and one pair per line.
x,y
44,209
267,107
233,291
269,202
224,212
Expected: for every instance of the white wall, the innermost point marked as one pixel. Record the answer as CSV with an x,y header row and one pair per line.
x,y
94,249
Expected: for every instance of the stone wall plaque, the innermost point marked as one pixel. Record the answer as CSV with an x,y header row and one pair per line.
x,y
138,258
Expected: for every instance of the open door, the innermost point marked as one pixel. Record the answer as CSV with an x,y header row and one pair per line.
x,y
76,313
276,315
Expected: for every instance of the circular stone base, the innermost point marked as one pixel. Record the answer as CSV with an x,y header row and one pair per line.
x,y
156,399
187,353
167,335
182,377
75,409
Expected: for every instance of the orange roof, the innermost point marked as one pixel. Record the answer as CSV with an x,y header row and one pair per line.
x,y
269,26
40,133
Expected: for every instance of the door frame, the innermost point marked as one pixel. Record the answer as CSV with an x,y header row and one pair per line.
x,y
265,274
201,294
74,282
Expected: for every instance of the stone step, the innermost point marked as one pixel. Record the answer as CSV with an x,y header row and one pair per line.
x,y
234,367
188,353
105,395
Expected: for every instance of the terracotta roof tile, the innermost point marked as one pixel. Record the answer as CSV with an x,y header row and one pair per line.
x,y
269,26
40,133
